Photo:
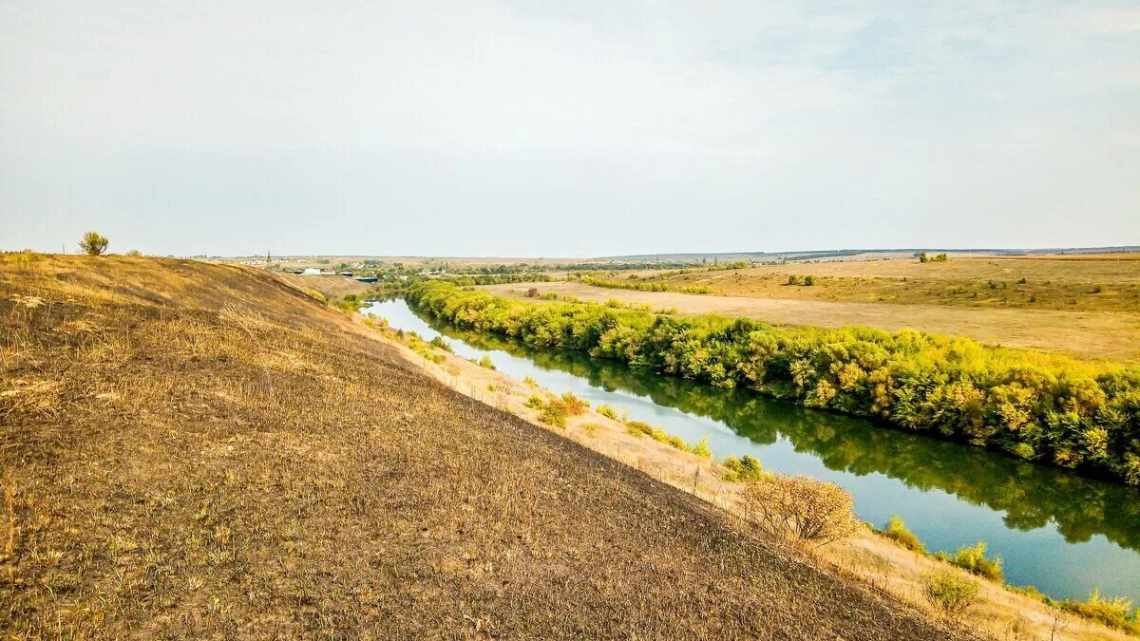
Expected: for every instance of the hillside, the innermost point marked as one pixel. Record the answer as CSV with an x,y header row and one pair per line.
x,y
194,450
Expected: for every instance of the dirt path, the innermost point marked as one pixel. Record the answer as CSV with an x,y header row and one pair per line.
x,y
1099,335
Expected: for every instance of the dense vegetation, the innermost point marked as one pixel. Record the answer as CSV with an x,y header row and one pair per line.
x,y
1037,407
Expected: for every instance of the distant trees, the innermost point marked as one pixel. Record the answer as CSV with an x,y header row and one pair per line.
x,y
93,244
1038,407
923,257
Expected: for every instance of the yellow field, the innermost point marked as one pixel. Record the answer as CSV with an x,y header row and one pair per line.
x,y
1085,334
1108,282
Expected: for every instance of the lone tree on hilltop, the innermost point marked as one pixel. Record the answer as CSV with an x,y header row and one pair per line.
x,y
93,243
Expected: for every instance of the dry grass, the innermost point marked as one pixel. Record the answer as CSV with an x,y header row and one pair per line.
x,y
1088,282
1092,335
199,451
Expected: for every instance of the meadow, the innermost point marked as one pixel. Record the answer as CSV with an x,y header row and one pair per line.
x,y
1086,282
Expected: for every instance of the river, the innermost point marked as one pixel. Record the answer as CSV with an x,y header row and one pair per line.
x,y
1062,533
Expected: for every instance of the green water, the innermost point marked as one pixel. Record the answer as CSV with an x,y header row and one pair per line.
x,y
1065,534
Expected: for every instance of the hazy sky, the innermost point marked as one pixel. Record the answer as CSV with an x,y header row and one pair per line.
x,y
567,128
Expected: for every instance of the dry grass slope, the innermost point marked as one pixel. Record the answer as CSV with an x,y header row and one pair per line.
x,y
200,451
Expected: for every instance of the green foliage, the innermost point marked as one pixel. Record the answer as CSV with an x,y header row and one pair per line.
x,y
1045,408
530,382
94,244
973,559
1116,612
486,362
950,594
554,413
640,428
439,343
701,449
745,468
642,286
535,402
901,534
608,412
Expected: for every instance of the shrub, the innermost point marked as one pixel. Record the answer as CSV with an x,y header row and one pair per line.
x,y
529,380
440,343
701,449
973,559
809,281
486,362
793,279
800,509
608,412
639,428
1115,612
897,531
554,413
952,595
94,244
574,405
535,402
745,468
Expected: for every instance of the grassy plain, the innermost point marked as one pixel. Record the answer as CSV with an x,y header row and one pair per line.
x,y
1082,333
203,451
1089,282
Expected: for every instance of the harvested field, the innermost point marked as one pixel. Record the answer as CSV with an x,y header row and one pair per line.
x,y
194,450
1088,282
1093,335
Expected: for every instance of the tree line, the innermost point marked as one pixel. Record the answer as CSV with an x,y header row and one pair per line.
x,y
1039,407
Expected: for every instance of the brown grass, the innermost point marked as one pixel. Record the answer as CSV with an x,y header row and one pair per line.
x,y
200,451
1093,335
1086,283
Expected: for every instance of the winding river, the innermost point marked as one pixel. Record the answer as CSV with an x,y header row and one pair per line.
x,y
1064,534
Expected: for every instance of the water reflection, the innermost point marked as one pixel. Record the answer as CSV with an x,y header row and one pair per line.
x,y
1064,533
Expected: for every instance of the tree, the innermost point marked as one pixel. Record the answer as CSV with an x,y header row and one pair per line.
x,y
93,243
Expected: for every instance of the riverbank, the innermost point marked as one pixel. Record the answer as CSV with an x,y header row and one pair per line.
x,y
201,451
869,558
1081,334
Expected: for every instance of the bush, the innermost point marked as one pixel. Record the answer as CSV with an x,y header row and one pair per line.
x,y
440,343
745,468
973,559
486,362
94,244
899,533
574,405
701,449
535,402
554,414
1116,612
952,595
793,279
608,412
800,509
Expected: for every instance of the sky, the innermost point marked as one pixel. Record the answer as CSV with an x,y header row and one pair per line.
x,y
587,128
